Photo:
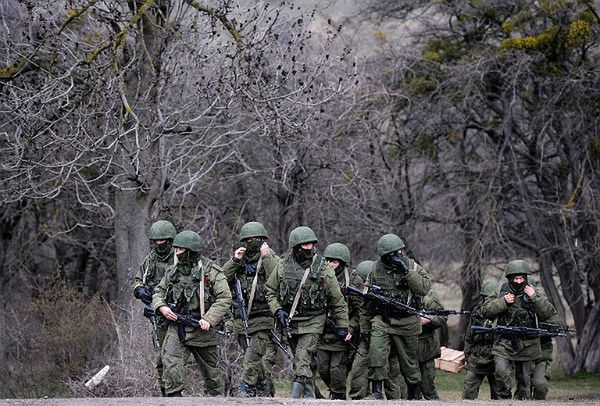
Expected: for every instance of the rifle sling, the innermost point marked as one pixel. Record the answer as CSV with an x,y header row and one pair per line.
x,y
299,291
201,289
253,289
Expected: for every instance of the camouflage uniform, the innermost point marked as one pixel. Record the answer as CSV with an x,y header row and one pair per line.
x,y
541,369
403,329
478,350
429,346
333,356
254,270
319,293
182,286
521,351
152,271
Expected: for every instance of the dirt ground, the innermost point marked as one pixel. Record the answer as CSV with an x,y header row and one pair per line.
x,y
199,401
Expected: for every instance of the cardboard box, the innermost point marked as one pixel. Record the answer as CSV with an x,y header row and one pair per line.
x,y
450,360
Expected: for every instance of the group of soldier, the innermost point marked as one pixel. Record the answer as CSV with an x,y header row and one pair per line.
x,y
370,333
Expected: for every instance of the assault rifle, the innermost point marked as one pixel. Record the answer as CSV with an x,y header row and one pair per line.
x,y
556,327
527,332
241,305
148,311
330,324
188,320
277,341
444,312
385,303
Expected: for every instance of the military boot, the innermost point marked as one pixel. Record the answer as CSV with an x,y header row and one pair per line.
x,y
297,389
413,392
264,389
162,392
376,391
309,389
247,391
338,396
176,394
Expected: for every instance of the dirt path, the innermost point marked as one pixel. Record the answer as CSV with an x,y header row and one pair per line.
x,y
267,402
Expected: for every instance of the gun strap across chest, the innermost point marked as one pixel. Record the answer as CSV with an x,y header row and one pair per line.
x,y
346,277
299,291
201,289
254,283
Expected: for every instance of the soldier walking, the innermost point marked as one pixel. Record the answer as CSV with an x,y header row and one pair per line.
x,y
300,290
478,349
251,266
519,305
400,278
195,287
333,356
151,272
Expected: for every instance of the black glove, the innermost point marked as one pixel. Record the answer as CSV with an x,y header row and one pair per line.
x,y
282,317
148,311
365,336
342,332
143,293
400,264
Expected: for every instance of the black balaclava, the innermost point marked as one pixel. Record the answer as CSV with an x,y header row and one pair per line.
x,y
302,256
252,250
187,260
162,249
517,287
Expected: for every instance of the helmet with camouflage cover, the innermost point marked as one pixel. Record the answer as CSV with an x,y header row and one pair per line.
x,y
363,269
517,267
189,240
389,243
302,235
337,251
253,229
489,288
162,230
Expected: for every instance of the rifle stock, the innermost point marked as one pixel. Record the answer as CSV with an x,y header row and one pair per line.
x,y
241,305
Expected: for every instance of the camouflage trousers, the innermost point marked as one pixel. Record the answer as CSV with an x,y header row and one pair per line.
x,y
174,356
161,329
539,381
427,386
503,372
405,349
473,383
304,348
259,359
394,385
333,369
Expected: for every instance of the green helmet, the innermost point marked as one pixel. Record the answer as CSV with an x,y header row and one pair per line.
x,y
253,229
337,251
162,230
364,268
517,267
302,235
389,243
189,240
489,288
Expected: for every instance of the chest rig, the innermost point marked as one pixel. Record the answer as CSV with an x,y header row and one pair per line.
x,y
156,268
260,306
521,313
183,289
313,301
393,285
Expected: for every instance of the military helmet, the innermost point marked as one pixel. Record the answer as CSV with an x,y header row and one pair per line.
x,y
517,267
162,230
337,251
489,288
302,235
189,240
364,268
253,229
389,243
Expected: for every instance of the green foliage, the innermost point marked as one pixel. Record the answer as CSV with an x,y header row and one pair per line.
x,y
542,41
442,50
580,32
421,84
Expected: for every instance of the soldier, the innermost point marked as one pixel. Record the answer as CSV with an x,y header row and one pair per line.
x,y
429,345
300,290
251,265
541,369
151,272
333,357
478,349
195,287
402,279
519,305
360,365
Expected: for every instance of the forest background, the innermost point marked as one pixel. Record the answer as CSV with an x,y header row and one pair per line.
x,y
469,128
